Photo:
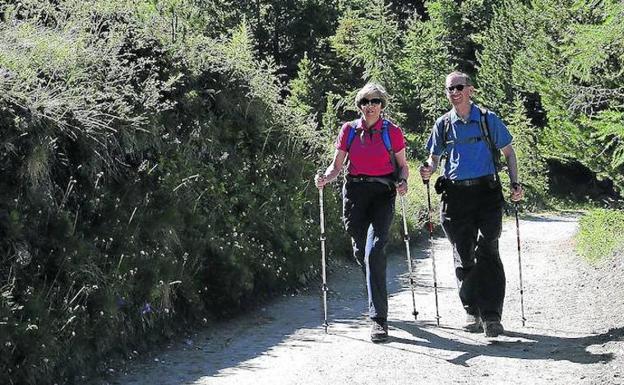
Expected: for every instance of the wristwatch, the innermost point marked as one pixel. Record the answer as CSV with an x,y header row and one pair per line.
x,y
401,180
515,185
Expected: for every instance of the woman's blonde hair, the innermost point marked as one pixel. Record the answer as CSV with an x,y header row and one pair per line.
x,y
374,90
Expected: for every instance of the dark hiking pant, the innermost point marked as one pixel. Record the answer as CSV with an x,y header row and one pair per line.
x,y
472,219
368,208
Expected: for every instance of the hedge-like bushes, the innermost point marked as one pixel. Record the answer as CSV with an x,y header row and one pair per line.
x,y
149,181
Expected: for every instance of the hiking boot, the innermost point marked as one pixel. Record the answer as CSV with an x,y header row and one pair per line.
x,y
473,324
379,331
493,328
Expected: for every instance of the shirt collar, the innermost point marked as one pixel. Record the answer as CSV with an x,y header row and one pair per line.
x,y
376,126
474,114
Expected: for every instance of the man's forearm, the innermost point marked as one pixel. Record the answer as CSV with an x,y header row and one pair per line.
x,y
433,162
512,166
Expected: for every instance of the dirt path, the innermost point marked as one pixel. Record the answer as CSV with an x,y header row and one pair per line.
x,y
574,332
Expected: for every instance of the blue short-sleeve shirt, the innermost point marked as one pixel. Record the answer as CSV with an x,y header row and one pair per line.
x,y
468,155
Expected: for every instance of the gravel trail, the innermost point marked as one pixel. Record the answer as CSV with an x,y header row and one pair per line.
x,y
574,333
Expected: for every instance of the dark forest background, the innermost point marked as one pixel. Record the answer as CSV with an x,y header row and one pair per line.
x,y
156,157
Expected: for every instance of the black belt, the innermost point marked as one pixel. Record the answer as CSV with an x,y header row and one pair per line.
x,y
472,182
387,180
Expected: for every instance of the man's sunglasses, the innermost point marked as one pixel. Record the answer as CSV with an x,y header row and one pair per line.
x,y
366,102
458,87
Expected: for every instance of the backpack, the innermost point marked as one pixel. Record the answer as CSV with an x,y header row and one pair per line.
x,y
385,136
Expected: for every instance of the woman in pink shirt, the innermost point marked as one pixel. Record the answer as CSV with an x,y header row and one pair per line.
x,y
376,171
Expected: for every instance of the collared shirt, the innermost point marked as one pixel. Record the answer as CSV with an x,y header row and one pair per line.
x,y
368,154
468,155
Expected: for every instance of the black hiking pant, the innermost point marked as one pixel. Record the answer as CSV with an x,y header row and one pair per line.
x,y
471,217
368,208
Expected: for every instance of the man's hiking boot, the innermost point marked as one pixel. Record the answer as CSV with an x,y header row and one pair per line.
x,y
379,331
473,324
493,328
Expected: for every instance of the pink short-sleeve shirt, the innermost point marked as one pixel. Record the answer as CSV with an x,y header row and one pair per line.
x,y
368,154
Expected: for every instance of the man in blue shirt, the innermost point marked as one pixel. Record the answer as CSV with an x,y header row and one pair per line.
x,y
472,201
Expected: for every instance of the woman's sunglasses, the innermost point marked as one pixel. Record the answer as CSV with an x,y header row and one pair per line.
x,y
366,102
458,87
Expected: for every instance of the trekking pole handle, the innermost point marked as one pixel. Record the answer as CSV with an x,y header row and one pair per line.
x,y
319,174
426,164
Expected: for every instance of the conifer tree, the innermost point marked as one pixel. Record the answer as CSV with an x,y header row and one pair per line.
x,y
368,37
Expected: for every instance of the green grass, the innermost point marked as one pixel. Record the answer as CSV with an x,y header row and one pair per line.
x,y
415,209
601,234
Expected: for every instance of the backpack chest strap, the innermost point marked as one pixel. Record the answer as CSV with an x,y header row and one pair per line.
x,y
355,131
470,140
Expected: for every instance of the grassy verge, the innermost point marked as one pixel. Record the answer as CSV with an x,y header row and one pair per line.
x,y
415,210
600,234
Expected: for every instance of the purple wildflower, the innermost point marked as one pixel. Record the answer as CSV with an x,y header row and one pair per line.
x,y
147,308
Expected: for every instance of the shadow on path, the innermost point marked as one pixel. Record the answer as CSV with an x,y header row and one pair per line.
x,y
295,322
527,346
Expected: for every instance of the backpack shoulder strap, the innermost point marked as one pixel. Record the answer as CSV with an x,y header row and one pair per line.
x,y
352,133
385,136
447,127
485,131
485,128
483,123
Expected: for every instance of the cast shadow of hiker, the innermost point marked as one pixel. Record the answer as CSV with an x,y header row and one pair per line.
x,y
523,346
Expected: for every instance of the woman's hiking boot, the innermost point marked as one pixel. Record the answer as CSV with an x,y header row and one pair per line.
x,y
379,331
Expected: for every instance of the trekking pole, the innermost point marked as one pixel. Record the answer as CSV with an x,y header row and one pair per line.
x,y
323,274
430,226
409,256
520,265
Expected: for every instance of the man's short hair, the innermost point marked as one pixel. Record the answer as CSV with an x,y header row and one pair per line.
x,y
463,75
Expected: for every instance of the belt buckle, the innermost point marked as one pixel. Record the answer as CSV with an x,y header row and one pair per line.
x,y
357,179
466,182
